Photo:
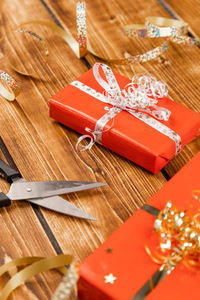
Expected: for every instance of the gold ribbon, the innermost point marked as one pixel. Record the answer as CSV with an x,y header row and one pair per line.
x,y
36,266
11,85
171,29
82,47
196,194
42,42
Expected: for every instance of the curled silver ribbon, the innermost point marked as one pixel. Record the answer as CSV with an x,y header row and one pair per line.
x,y
139,98
91,138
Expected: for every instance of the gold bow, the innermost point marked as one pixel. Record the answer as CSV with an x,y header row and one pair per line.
x,y
179,238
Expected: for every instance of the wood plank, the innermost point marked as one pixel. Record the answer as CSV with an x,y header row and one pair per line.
x,y
49,147
187,11
107,30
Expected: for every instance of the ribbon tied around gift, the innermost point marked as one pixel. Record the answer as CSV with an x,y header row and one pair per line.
x,y
138,98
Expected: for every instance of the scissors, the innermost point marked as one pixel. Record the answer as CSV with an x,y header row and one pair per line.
x,y
42,193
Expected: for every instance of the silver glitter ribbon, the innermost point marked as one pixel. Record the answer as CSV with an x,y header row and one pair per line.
x,y
139,98
68,283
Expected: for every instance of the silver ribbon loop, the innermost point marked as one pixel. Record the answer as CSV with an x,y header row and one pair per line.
x,y
141,94
86,136
139,98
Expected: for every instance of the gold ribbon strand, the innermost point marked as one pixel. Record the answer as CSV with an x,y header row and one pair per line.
x,y
35,266
170,29
83,46
155,27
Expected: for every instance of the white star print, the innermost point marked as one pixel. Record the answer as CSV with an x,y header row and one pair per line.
x,y
110,278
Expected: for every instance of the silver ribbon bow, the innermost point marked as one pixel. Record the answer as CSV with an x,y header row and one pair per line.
x,y
139,98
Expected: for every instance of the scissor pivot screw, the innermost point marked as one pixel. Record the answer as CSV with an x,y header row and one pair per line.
x,y
29,189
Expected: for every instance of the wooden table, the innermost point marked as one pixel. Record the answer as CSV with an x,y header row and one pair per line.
x,y
45,150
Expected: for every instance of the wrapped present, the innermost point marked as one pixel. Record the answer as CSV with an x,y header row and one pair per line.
x,y
123,269
137,121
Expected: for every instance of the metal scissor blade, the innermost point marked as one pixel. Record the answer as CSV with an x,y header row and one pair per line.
x,y
24,190
74,186
61,205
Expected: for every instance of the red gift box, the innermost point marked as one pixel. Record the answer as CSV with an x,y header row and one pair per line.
x,y
124,134
123,259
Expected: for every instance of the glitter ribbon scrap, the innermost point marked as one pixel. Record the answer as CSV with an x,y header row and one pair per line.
x,y
35,265
139,98
155,27
65,287
9,89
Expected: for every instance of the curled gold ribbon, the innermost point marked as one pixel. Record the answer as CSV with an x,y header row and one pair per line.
x,y
36,266
179,241
42,42
9,88
13,65
35,35
83,46
179,238
196,194
39,38
171,29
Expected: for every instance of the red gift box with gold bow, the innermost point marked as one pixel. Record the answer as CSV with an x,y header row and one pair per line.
x,y
123,269
137,121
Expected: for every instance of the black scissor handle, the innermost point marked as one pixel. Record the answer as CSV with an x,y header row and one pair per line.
x,y
8,172
4,200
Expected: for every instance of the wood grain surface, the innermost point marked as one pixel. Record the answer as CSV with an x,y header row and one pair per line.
x,y
45,150
187,11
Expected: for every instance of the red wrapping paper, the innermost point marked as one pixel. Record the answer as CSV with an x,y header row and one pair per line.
x,y
129,261
127,136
